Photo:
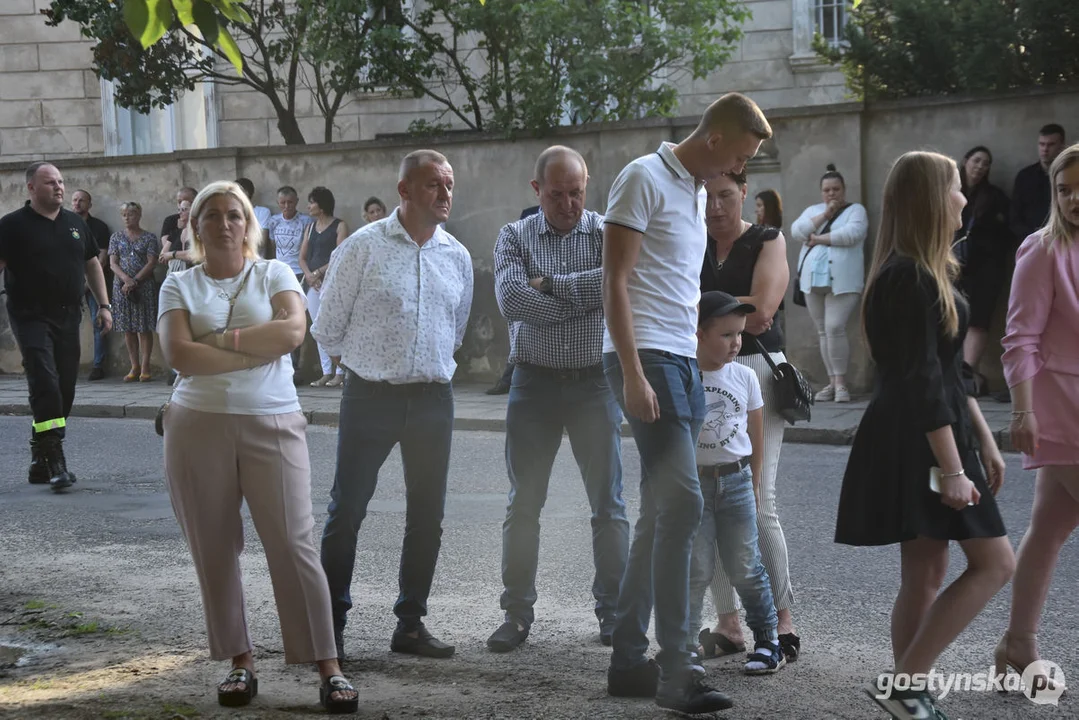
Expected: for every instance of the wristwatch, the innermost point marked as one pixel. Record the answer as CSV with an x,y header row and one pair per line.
x,y
546,285
106,306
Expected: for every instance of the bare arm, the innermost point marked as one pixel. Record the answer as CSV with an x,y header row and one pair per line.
x,y
305,245
342,231
755,426
189,357
770,277
621,248
114,263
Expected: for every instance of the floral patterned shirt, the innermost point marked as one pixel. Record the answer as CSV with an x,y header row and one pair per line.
x,y
395,311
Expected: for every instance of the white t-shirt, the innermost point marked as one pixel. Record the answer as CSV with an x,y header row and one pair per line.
x,y
287,236
655,195
263,390
729,394
262,214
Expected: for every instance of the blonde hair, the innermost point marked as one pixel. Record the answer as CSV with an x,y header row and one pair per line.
x,y
1058,230
253,234
129,205
917,221
734,112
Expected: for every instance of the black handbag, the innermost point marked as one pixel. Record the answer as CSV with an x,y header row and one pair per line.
x,y
798,297
793,394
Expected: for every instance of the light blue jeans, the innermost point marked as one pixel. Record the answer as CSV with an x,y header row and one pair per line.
x,y
729,527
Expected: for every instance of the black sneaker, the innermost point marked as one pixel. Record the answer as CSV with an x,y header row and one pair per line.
x,y
424,643
97,373
689,694
508,636
637,682
907,704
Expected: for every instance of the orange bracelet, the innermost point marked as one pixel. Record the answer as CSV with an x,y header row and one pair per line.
x,y
236,340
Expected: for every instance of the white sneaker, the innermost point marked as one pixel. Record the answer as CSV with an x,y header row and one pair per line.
x,y
842,395
825,395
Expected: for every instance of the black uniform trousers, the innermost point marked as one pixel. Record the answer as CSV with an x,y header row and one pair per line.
x,y
49,342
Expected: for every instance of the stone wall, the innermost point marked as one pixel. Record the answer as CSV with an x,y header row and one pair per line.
x,y
49,99
492,178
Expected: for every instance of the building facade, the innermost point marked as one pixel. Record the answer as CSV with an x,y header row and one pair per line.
x,y
52,105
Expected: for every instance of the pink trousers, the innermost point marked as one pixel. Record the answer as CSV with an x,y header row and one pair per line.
x,y
214,462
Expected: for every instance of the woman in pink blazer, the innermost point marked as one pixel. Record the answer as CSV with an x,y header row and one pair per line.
x,y
1041,364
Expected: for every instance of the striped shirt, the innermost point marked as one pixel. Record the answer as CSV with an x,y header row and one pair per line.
x,y
563,330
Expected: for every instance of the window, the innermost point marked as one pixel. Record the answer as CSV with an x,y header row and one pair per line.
x,y
830,18
188,124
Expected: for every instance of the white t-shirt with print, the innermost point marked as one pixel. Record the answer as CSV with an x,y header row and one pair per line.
x,y
729,394
263,390
656,196
287,236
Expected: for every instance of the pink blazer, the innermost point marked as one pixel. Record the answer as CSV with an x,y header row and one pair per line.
x,y
1043,313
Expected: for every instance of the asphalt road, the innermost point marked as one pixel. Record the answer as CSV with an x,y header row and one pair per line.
x,y
111,548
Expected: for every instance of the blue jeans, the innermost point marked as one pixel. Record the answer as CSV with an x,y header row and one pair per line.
x,y
374,417
729,525
540,407
100,338
670,514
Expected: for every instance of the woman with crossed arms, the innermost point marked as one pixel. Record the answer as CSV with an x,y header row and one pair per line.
x,y
234,432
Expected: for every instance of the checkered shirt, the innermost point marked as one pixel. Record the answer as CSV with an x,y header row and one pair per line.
x,y
563,330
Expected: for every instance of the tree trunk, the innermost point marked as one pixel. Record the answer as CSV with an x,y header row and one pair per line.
x,y
289,128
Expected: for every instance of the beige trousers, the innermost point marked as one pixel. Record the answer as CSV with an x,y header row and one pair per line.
x,y
213,462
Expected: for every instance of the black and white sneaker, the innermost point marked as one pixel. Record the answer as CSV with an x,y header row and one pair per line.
x,y
907,704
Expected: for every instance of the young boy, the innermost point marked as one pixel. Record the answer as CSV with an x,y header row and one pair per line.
x,y
729,466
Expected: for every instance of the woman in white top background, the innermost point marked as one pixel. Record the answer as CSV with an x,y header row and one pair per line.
x,y
234,431
832,274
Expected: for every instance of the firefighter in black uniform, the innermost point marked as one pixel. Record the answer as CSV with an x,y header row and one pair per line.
x,y
50,257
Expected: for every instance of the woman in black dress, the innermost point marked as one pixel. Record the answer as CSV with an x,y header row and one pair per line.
x,y
983,244
920,417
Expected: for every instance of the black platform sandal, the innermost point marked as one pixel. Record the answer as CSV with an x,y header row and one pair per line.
x,y
336,683
235,697
792,646
717,644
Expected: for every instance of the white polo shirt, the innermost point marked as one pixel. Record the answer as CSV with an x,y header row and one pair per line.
x,y
656,196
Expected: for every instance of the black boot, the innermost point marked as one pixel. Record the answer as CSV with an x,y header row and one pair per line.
x,y
39,473
53,451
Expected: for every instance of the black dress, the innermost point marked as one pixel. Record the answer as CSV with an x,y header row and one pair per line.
x,y
983,252
920,387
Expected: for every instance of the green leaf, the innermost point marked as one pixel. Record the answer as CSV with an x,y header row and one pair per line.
x,y
233,11
231,49
206,18
136,17
184,11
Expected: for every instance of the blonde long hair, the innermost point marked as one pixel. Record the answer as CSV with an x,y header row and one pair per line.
x,y
253,234
917,221
1058,230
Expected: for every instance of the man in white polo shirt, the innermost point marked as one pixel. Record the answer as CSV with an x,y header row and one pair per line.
x,y
653,246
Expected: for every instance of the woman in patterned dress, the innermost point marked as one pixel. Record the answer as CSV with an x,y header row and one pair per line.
x,y
132,256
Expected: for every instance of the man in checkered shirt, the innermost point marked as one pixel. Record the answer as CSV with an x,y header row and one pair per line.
x,y
548,286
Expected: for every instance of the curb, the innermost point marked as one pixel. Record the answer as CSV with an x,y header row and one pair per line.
x,y
792,434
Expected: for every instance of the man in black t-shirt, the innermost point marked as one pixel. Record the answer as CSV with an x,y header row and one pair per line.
x,y
49,255
81,202
1033,192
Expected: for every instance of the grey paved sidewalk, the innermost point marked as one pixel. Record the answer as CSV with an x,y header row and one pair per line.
x,y
832,424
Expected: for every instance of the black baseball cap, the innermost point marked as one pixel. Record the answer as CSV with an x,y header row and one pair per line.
x,y
716,303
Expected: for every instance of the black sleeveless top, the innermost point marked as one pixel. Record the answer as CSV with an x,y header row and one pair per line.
x,y
321,244
735,276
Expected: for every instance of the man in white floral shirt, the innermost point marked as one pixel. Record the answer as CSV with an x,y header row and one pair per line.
x,y
395,306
